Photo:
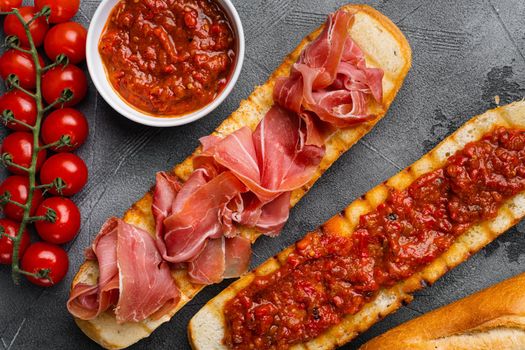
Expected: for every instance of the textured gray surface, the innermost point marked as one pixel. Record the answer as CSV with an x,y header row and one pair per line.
x,y
465,53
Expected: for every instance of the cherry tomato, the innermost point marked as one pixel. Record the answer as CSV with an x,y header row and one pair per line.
x,y
70,168
38,28
18,188
66,121
42,256
8,5
66,225
66,38
20,146
61,10
59,78
22,106
20,64
6,245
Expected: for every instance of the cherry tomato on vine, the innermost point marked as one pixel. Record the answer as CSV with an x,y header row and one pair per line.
x,y
18,188
6,244
60,78
70,168
20,64
40,257
65,121
22,106
38,28
66,38
67,222
19,145
8,5
61,10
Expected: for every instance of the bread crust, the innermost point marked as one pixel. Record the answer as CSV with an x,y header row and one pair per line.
x,y
491,319
393,55
206,328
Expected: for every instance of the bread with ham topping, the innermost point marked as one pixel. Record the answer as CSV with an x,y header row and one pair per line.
x,y
384,46
207,328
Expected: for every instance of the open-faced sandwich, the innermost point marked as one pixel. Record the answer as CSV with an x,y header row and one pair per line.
x,y
197,225
365,262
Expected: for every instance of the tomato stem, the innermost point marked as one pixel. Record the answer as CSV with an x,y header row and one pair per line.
x,y
7,161
60,60
38,218
46,186
45,11
8,117
3,234
44,273
16,271
12,82
10,201
18,48
62,142
49,145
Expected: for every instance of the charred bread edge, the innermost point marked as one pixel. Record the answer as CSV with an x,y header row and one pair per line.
x,y
492,319
389,50
206,328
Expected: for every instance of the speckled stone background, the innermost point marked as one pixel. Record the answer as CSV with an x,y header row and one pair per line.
x,y
464,54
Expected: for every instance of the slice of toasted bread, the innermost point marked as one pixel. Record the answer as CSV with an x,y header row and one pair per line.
x,y
491,319
206,329
384,46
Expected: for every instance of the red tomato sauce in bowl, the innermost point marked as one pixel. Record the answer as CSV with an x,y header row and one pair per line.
x,y
168,57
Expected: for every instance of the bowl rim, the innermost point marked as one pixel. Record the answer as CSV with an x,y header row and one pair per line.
x,y
108,93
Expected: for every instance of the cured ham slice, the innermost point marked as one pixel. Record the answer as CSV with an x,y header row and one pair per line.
x,y
166,189
237,261
204,214
221,258
286,161
132,277
209,267
274,215
273,159
244,178
331,79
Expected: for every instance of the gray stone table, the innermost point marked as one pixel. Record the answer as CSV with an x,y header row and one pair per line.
x,y
465,53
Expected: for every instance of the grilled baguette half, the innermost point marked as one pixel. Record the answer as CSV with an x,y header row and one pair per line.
x,y
207,327
491,319
384,46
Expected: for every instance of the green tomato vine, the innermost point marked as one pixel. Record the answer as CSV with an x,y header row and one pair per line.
x,y
8,117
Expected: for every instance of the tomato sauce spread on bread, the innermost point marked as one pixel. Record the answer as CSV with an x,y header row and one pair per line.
x,y
329,275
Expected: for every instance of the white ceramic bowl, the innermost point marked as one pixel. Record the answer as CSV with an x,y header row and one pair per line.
x,y
104,87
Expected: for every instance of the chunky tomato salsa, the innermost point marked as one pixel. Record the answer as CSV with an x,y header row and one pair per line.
x,y
328,276
168,57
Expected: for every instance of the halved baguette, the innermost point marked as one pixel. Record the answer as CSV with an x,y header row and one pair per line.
x,y
491,319
384,46
207,327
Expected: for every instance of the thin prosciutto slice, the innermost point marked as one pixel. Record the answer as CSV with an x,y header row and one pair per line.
x,y
331,79
251,177
204,214
221,258
271,160
132,277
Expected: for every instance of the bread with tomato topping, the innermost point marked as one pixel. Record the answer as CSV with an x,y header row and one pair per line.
x,y
491,319
208,327
384,46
